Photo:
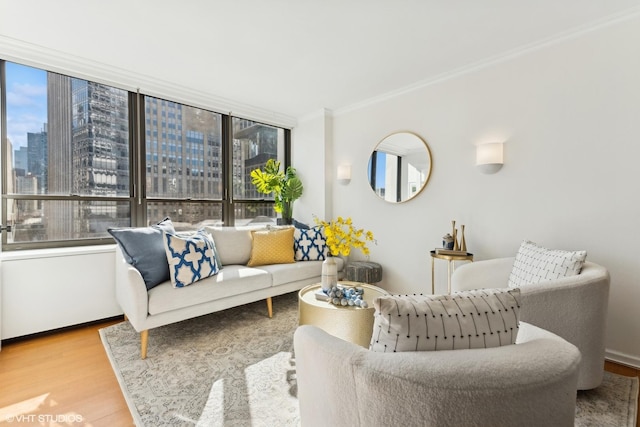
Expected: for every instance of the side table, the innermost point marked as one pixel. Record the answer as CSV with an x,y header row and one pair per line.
x,y
350,323
450,266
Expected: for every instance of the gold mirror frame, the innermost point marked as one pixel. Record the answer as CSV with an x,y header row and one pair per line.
x,y
403,155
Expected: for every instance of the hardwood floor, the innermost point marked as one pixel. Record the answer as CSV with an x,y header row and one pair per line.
x,y
61,379
66,379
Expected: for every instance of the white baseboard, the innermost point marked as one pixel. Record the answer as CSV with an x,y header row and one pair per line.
x,y
625,359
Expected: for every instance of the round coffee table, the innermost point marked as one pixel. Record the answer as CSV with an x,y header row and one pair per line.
x,y
350,323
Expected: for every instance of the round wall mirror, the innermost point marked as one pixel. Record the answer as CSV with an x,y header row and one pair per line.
x,y
399,167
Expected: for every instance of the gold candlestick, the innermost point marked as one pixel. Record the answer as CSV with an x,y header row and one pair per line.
x,y
455,237
463,243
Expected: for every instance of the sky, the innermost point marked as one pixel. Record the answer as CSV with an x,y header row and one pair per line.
x,y
26,102
380,169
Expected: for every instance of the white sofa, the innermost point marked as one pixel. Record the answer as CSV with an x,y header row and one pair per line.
x,y
574,307
234,285
531,383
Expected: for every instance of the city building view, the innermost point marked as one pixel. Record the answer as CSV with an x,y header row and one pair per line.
x,y
71,177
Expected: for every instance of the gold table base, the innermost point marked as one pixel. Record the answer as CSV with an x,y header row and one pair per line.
x,y
350,323
450,267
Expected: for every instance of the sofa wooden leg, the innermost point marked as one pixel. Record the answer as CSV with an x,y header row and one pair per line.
x,y
144,339
269,307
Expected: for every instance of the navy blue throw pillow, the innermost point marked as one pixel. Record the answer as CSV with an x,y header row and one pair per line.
x,y
301,225
143,248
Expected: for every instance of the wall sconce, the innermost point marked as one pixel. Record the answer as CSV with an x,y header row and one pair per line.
x,y
344,174
490,157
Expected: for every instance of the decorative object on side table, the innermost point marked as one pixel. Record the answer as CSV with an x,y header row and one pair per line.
x,y
447,241
341,237
363,271
285,186
450,242
451,251
463,242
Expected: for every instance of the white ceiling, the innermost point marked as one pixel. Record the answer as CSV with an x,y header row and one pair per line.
x,y
296,57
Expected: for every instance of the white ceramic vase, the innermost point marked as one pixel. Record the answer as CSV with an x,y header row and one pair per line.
x,y
329,274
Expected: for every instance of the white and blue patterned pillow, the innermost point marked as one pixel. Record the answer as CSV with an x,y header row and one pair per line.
x,y
310,244
190,257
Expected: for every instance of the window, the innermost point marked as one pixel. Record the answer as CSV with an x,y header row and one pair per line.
x,y
180,164
71,173
253,145
67,162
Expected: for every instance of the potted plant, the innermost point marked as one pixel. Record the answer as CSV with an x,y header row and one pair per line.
x,y
285,186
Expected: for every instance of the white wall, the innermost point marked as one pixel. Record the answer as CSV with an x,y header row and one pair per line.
x,y
312,157
569,114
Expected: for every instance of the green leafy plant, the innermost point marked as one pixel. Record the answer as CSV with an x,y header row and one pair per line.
x,y
285,186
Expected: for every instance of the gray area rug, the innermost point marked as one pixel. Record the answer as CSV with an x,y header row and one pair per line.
x,y
236,368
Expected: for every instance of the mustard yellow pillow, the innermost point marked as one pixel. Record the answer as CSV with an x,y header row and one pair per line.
x,y
271,247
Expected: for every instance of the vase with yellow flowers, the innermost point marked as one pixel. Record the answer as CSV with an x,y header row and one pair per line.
x,y
341,237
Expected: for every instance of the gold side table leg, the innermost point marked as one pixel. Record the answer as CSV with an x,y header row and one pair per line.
x,y
433,283
449,277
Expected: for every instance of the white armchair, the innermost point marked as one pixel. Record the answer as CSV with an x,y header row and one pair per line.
x,y
531,383
575,307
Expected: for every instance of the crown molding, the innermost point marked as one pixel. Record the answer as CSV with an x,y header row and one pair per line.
x,y
576,32
30,54
322,113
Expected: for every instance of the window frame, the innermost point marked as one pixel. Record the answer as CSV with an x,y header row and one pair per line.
x,y
137,198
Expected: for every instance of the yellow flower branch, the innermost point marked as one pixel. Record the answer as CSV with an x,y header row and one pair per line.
x,y
342,236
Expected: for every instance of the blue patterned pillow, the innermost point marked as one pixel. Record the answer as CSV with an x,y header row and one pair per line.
x,y
190,257
310,244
